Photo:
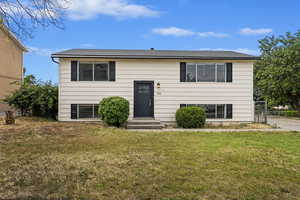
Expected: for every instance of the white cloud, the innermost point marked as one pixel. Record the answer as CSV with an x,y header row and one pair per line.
x,y
212,34
241,50
248,51
88,45
173,31
87,9
40,51
43,51
179,32
260,31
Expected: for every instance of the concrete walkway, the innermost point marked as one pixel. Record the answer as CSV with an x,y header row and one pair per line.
x,y
284,123
210,130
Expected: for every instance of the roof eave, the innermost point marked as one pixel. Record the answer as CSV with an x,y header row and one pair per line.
x,y
14,38
154,57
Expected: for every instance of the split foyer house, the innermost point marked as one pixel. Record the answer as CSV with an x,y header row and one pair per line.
x,y
11,63
156,83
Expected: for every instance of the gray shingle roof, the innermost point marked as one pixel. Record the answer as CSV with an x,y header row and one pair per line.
x,y
153,54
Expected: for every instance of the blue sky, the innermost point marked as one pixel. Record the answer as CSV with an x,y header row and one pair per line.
x,y
161,24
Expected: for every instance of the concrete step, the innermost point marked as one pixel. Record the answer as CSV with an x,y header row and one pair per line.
x,y
144,126
144,123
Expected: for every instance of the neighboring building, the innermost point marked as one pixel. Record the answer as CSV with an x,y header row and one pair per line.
x,y
11,63
156,83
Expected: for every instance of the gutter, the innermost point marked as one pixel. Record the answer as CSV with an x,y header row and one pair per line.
x,y
152,57
53,60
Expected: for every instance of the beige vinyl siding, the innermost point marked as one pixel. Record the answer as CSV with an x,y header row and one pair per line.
x,y
11,66
168,98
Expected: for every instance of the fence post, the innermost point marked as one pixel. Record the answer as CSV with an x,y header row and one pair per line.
x,y
9,117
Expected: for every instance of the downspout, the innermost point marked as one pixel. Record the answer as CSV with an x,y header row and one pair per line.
x,y
53,60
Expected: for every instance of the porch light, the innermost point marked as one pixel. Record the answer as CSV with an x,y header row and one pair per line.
x,y
158,85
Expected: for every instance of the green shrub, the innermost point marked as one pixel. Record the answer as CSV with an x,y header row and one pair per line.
x,y
35,98
191,117
289,113
114,110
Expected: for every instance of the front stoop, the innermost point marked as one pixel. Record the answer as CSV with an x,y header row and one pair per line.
x,y
144,123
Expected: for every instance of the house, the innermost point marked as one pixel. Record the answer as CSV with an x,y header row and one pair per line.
x,y
156,82
11,63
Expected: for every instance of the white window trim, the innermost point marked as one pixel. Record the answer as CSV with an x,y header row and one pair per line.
x,y
216,72
93,63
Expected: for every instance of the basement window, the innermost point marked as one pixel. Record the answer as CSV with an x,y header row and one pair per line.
x,y
88,111
214,111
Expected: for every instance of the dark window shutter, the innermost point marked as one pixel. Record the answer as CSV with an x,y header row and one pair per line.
x,y
229,111
182,105
229,72
112,71
182,72
74,65
74,111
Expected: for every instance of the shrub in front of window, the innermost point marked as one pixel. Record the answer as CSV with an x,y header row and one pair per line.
x,y
190,117
114,110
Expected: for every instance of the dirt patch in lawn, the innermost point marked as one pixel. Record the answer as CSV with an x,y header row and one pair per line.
x,y
26,126
238,126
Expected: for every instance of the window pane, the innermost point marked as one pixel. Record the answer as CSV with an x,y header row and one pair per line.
x,y
96,107
221,73
204,106
206,73
183,105
101,72
221,111
191,73
85,111
211,111
85,72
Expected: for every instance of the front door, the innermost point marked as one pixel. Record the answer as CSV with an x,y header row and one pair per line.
x,y
143,99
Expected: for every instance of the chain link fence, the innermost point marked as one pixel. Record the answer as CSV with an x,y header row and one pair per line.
x,y
261,110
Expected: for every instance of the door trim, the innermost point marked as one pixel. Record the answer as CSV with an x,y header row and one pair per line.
x,y
134,97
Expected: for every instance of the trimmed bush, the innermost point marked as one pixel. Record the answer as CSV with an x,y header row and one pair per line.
x,y
114,110
289,113
190,117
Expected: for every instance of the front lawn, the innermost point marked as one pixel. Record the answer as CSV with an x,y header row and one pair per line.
x,y
52,160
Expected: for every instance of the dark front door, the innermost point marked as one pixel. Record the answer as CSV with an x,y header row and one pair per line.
x,y
143,99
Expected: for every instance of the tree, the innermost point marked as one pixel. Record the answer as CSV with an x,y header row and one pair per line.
x,y
277,74
22,17
35,98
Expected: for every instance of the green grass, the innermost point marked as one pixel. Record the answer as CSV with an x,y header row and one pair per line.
x,y
51,160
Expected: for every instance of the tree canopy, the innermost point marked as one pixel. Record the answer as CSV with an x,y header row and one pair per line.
x,y
277,73
35,98
22,17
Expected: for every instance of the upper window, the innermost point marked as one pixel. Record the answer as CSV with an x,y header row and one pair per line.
x,y
205,72
93,71
85,72
101,72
